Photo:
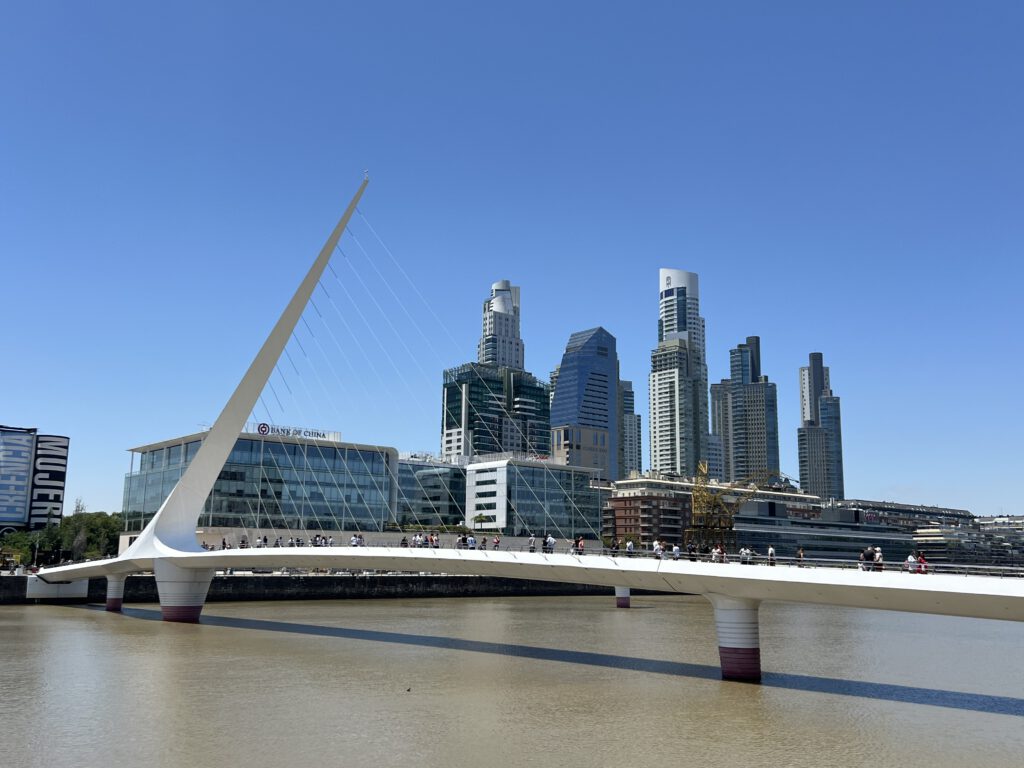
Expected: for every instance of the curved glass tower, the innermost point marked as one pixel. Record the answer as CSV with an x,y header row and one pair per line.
x,y
585,403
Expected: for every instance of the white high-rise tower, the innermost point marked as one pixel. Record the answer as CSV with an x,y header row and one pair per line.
x,y
500,343
679,378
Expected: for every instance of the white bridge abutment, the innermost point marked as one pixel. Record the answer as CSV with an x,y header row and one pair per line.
x,y
622,597
115,591
182,591
739,644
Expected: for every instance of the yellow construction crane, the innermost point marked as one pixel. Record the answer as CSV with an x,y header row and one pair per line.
x,y
711,521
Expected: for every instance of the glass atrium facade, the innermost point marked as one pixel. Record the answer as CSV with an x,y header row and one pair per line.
x,y
518,497
274,482
431,494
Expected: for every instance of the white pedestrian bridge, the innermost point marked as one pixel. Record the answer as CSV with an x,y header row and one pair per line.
x,y
735,590
183,571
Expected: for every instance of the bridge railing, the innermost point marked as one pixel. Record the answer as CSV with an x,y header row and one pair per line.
x,y
917,568
563,547
753,559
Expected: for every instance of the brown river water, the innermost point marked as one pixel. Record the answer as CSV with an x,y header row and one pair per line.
x,y
504,682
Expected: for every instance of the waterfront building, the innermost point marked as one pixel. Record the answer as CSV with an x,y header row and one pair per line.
x,y
431,493
1005,537
745,417
658,507
585,403
647,509
292,480
1001,522
907,517
519,496
494,405
679,378
631,443
820,437
832,535
946,545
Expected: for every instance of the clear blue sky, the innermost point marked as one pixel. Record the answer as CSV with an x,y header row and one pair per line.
x,y
844,178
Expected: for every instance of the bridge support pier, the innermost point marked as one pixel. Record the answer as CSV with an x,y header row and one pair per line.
x,y
739,646
115,591
622,597
182,590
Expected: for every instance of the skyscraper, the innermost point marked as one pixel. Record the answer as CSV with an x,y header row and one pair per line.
x,y
630,443
494,405
820,438
679,378
745,416
500,343
490,409
585,403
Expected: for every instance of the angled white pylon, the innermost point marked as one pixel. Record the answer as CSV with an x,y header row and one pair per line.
x,y
173,528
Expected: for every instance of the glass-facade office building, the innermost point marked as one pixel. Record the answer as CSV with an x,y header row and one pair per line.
x,y
488,409
278,482
585,401
517,497
431,493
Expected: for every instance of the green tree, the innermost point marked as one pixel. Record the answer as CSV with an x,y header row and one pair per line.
x,y
86,535
20,544
90,535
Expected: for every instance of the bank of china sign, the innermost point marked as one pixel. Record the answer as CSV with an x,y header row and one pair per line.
x,y
275,430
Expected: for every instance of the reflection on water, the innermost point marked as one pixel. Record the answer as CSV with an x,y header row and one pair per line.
x,y
518,681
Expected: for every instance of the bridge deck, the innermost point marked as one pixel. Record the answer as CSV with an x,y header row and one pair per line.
x,y
946,594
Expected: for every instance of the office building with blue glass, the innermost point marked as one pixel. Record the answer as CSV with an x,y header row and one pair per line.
x,y
585,404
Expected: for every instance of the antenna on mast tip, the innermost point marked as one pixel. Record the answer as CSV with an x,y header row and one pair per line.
x,y
366,174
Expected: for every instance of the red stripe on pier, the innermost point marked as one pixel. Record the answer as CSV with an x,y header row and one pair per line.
x,y
183,613
743,664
